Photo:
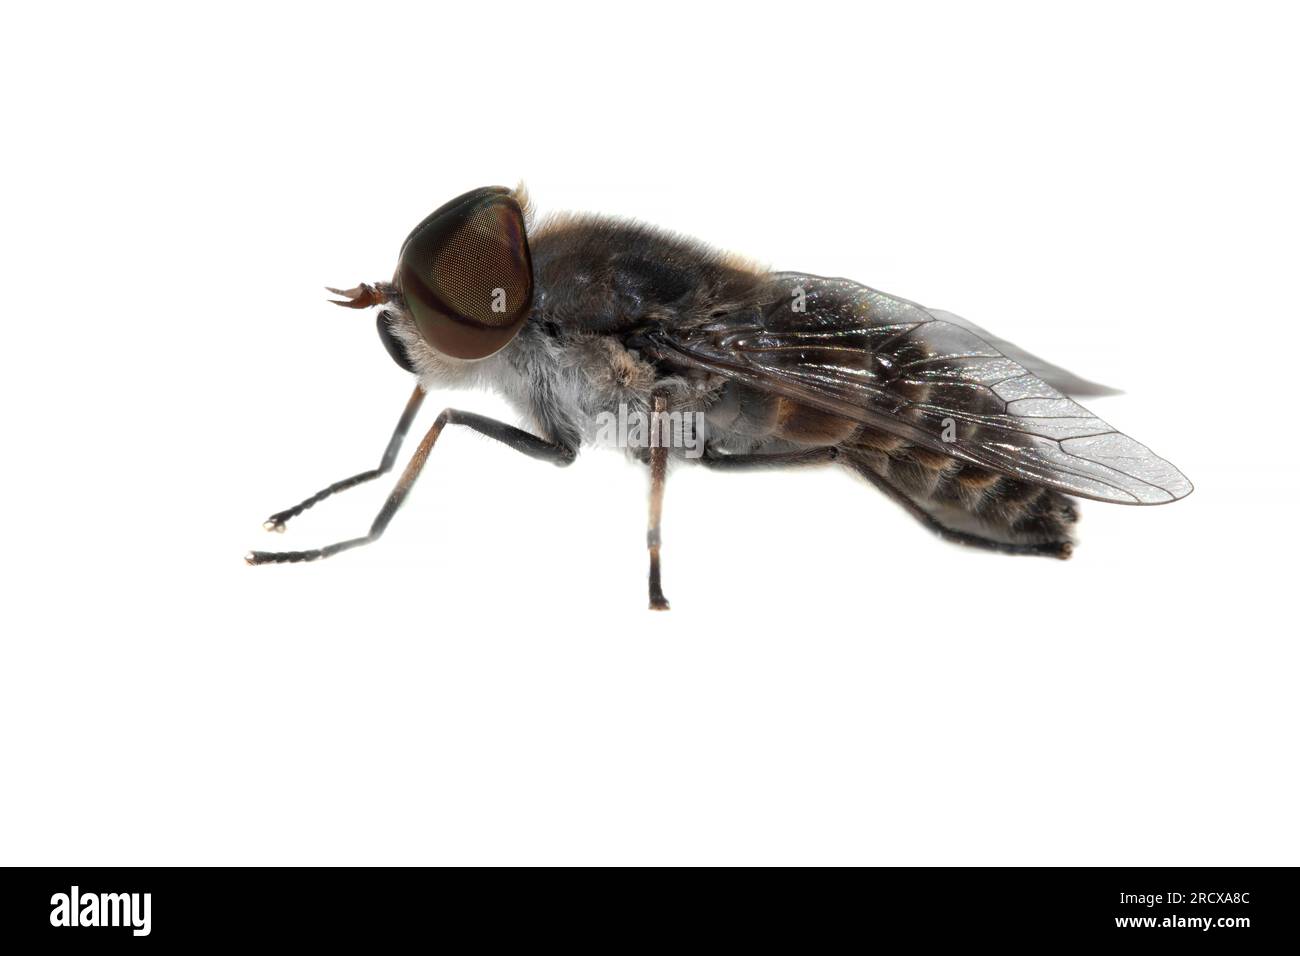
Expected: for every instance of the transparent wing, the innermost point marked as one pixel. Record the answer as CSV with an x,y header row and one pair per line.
x,y
928,377
1061,379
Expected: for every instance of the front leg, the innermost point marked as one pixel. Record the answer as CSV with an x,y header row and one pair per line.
x,y
277,520
515,438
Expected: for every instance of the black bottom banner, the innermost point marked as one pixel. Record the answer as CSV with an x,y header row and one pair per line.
x,y
1222,908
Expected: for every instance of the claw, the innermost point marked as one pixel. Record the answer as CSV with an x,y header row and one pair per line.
x,y
362,297
273,525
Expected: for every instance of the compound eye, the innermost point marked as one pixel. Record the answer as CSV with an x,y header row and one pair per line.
x,y
467,275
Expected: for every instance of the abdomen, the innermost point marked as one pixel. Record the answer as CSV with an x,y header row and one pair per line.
x,y
956,494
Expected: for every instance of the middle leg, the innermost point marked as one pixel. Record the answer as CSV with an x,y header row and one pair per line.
x,y
658,475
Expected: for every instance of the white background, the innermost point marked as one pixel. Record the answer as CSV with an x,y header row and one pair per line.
x,y
1112,186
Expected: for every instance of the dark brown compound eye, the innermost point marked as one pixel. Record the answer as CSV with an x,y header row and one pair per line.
x,y
467,275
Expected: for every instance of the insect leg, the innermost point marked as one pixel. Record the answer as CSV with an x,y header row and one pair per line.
x,y
813,456
515,438
658,474
277,520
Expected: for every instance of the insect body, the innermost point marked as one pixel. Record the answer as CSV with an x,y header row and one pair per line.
x,y
578,319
